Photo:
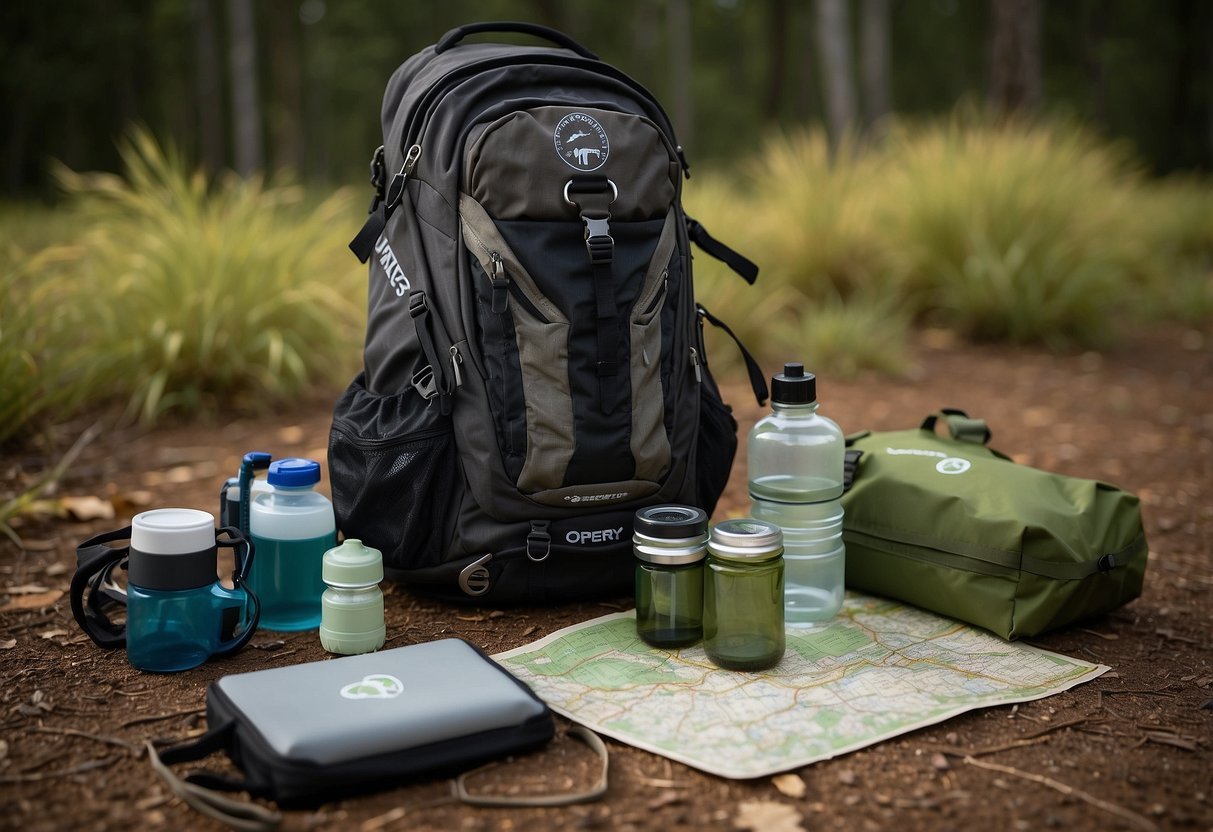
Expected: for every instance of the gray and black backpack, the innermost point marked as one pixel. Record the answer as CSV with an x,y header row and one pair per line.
x,y
534,361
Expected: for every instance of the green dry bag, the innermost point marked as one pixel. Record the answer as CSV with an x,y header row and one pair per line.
x,y
953,526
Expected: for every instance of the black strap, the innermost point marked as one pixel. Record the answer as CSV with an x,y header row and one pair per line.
x,y
419,309
202,791
94,563
383,203
960,426
758,381
592,196
453,37
710,245
242,553
364,241
850,467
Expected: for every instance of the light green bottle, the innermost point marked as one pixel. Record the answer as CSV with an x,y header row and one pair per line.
x,y
351,609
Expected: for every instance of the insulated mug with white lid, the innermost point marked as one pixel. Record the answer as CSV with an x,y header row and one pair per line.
x,y
178,614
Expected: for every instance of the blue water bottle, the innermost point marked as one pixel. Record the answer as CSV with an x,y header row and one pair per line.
x,y
291,527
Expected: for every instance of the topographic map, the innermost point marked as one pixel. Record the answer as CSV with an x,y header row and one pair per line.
x,y
877,670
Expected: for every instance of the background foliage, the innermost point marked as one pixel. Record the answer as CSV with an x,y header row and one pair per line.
x,y
77,74
166,283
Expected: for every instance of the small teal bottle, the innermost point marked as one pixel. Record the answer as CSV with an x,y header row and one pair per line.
x,y
292,527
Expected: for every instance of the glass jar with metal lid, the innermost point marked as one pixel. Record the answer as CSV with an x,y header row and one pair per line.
x,y
743,595
669,545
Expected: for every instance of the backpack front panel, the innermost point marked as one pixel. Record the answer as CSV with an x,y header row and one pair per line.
x,y
567,434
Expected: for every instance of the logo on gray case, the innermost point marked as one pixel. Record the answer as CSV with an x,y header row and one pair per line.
x,y
374,686
581,142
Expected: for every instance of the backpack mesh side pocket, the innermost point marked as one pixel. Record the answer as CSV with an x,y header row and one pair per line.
x,y
393,468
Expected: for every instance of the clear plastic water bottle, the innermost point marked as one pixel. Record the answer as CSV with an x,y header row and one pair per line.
x,y
292,527
795,478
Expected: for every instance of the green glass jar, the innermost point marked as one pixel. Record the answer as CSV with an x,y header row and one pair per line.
x,y
743,595
669,544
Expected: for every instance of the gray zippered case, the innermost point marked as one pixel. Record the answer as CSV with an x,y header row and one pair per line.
x,y
318,731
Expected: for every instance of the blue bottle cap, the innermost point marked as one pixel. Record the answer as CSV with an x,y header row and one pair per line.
x,y
294,472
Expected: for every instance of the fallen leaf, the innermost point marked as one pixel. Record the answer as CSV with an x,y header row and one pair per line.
x,y
33,602
767,816
790,785
268,645
26,589
87,508
290,435
49,634
181,474
56,569
38,545
8,644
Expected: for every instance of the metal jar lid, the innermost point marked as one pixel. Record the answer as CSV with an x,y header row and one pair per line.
x,y
670,535
746,539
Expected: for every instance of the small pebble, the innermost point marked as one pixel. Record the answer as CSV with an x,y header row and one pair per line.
x,y
940,762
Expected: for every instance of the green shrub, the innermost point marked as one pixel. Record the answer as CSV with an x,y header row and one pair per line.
x,y
203,294
822,308
1012,231
46,368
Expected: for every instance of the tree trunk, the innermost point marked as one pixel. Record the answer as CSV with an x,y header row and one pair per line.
x,y
209,99
777,56
1015,59
876,58
246,108
678,20
834,46
286,127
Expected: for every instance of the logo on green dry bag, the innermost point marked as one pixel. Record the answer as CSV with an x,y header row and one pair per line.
x,y
581,142
374,686
946,465
953,465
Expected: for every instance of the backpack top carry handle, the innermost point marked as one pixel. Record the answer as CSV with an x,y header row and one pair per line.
x,y
453,37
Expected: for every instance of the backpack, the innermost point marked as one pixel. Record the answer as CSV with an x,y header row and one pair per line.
x,y
534,369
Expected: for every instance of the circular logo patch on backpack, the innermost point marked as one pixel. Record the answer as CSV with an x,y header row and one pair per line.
x,y
581,142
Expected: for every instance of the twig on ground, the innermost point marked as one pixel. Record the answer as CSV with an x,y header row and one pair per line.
x,y
63,772
1143,691
1136,820
982,752
73,732
139,720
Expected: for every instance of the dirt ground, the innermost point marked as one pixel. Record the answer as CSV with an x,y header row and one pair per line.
x,y
1132,749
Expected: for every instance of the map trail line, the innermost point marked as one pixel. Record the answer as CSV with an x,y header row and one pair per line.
x,y
879,669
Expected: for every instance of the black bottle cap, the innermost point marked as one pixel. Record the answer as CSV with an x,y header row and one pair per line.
x,y
671,522
794,385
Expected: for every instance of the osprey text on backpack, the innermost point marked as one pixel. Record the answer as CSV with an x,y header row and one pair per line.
x,y
534,365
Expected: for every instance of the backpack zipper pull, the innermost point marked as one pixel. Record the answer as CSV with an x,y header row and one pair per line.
x,y
456,360
695,364
381,210
501,284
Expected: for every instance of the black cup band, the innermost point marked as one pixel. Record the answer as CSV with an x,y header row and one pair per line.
x,y
189,570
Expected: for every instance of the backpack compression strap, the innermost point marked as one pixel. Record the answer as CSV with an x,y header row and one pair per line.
x,y
592,197
710,245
